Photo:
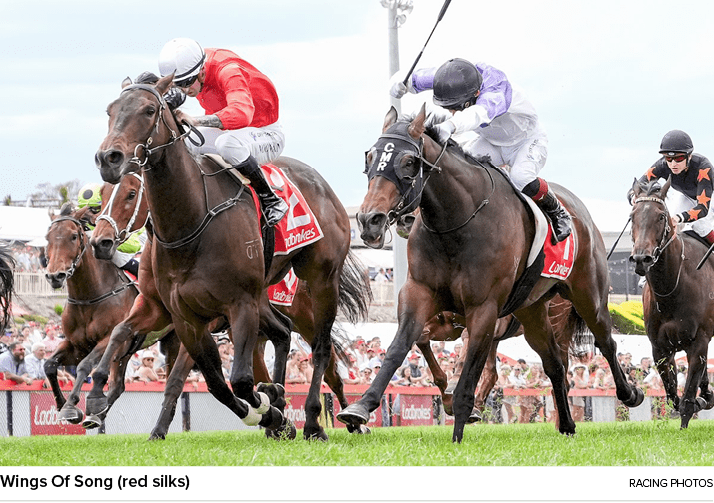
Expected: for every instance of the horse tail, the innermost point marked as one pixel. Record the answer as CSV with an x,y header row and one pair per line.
x,y
581,340
7,284
340,343
355,293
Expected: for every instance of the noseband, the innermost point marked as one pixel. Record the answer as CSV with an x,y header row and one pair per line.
x,y
123,235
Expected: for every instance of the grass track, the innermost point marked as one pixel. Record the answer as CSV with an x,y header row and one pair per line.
x,y
651,443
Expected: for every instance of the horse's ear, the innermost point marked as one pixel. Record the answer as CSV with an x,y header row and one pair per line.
x,y
390,118
665,187
66,209
164,84
125,82
416,128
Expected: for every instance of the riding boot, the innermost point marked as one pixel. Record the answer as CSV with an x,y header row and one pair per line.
x,y
272,206
132,266
559,218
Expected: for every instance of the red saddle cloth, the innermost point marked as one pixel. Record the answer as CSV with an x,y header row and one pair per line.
x,y
283,293
558,258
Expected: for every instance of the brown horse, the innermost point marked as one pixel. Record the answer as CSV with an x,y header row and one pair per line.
x,y
125,212
7,284
448,326
209,263
679,313
99,297
468,248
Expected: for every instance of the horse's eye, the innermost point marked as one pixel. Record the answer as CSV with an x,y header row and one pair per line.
x,y
150,111
131,195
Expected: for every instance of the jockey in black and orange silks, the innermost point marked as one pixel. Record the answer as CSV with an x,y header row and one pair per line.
x,y
690,201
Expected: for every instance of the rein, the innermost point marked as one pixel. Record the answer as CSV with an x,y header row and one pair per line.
x,y
659,249
75,263
210,213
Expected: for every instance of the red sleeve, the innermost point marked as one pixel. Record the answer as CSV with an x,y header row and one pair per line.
x,y
239,110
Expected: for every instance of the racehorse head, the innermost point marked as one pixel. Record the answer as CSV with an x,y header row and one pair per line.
x,y
124,210
395,168
135,129
652,226
66,244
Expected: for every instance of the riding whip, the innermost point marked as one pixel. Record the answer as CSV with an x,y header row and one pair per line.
x,y
705,257
618,238
441,15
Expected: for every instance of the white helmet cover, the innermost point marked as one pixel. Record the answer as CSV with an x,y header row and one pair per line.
x,y
183,57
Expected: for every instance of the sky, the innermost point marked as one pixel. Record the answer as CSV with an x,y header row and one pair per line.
x,y
608,78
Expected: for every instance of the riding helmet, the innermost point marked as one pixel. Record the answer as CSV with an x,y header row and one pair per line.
x,y
90,195
184,58
676,142
455,83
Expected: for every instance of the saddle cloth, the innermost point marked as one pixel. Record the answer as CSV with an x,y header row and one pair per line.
x,y
283,293
559,257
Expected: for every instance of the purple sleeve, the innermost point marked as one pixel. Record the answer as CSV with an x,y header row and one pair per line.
x,y
496,91
423,79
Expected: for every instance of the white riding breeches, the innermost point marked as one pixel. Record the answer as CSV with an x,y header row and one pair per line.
x,y
265,144
678,202
525,159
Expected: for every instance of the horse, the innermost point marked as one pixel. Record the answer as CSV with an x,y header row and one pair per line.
x,y
467,250
99,297
125,212
7,285
209,261
568,329
678,312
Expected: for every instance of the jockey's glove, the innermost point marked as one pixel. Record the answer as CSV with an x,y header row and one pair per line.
x,y
444,131
397,88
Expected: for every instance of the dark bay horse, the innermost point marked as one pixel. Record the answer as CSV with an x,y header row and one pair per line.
x,y
7,284
126,211
467,249
99,297
208,259
677,298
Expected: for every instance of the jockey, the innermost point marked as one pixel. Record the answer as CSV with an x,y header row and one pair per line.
x,y
241,104
124,257
691,180
481,99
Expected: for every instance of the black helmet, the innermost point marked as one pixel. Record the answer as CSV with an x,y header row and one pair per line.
x,y
676,142
455,83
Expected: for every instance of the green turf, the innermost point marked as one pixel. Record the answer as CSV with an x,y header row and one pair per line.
x,y
651,443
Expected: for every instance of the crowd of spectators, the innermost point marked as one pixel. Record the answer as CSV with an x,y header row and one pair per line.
x,y
27,258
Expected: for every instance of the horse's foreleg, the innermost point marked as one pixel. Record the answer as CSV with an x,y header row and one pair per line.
x,y
697,359
539,335
489,376
58,359
174,386
665,365
70,412
96,400
416,307
481,324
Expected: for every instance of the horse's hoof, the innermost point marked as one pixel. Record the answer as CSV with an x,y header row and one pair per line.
x,y
701,404
91,422
354,414
286,432
157,435
359,430
635,399
98,405
275,392
447,401
318,435
475,417
71,414
709,401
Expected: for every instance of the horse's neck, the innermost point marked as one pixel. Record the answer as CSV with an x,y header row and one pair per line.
x,y
665,274
452,195
92,278
175,193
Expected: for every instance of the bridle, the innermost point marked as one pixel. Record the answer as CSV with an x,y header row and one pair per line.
x,y
175,137
75,263
120,236
668,237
